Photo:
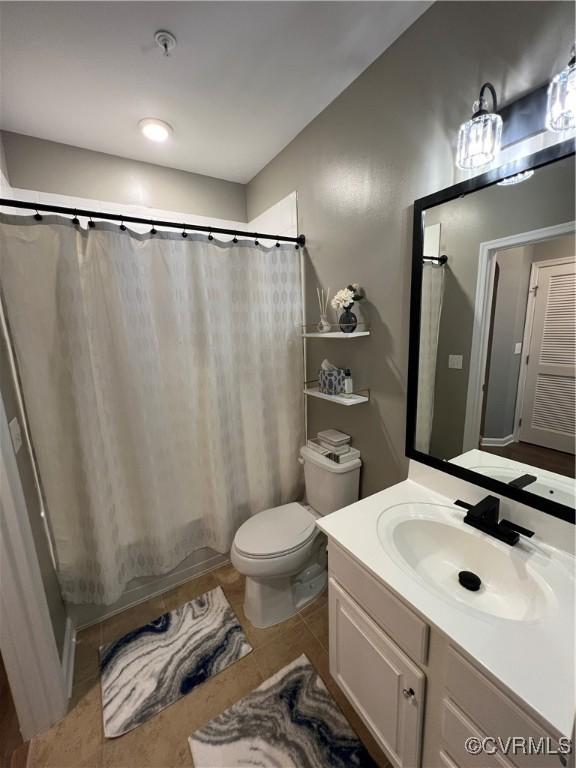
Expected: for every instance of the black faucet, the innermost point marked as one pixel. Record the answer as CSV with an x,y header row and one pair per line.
x,y
485,516
523,481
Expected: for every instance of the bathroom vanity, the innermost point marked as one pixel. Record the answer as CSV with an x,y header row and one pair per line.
x,y
428,664
451,594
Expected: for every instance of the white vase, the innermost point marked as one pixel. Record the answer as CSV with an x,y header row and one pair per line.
x,y
323,326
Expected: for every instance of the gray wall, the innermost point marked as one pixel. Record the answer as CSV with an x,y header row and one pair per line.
x,y
515,265
358,167
511,298
47,166
544,200
558,248
3,166
24,461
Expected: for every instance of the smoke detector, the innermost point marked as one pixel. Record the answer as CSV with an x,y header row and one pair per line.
x,y
165,40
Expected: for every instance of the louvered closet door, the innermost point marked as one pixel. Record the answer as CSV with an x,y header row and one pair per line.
x,y
548,412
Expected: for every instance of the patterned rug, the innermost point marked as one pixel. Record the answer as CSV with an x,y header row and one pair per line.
x,y
291,720
153,666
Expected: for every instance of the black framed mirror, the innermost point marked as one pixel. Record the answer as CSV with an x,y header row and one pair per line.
x,y
491,379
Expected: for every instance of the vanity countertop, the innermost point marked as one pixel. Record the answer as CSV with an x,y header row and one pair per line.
x,y
534,659
550,485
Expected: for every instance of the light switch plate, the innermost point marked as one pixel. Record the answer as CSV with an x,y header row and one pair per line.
x,y
15,434
518,348
455,361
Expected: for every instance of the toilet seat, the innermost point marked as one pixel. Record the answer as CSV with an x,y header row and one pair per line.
x,y
275,532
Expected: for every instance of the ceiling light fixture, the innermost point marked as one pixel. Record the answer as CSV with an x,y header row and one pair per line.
x,y
561,111
479,139
518,178
155,130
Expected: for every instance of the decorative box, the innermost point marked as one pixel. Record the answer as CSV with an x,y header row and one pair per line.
x,y
331,382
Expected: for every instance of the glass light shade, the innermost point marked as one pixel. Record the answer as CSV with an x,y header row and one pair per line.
x,y
479,141
561,112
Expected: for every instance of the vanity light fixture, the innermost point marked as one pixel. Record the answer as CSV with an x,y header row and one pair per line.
x,y
561,110
154,129
518,178
480,137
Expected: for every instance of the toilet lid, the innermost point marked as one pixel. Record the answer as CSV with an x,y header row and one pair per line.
x,y
275,531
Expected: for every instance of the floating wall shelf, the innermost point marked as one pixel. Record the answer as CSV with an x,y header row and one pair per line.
x,y
335,335
353,399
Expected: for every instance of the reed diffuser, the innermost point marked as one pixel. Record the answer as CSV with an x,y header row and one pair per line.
x,y
323,299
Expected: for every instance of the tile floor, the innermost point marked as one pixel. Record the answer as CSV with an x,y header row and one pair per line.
x,y
78,742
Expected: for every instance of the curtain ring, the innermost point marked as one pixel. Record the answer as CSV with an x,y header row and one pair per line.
x,y
256,240
76,220
91,224
210,236
122,226
184,233
235,239
37,216
297,246
277,244
153,230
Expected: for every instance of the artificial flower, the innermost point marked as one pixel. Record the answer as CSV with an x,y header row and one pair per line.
x,y
344,298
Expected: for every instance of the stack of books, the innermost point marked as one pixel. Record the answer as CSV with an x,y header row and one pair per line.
x,y
334,445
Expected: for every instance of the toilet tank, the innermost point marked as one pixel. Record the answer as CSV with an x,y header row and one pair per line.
x,y
329,486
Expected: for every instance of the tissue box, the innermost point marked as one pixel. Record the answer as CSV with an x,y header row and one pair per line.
x,y
331,382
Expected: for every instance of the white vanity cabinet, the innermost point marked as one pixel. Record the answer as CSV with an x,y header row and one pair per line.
x,y
385,687
417,692
377,673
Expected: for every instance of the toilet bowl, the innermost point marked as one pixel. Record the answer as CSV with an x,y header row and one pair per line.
x,y
280,550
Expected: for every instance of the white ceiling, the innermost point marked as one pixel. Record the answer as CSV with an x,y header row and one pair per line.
x,y
245,78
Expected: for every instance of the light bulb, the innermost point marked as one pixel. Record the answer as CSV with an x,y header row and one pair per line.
x,y
561,110
518,178
155,130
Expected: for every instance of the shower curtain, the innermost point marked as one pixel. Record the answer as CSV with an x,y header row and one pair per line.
x,y
430,312
162,382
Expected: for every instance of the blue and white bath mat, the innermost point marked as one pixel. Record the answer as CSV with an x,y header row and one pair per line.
x,y
153,666
291,720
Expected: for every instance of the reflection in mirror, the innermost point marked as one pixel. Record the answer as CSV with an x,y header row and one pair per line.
x,y
497,355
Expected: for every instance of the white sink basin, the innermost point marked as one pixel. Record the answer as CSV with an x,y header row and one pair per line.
x,y
432,543
560,489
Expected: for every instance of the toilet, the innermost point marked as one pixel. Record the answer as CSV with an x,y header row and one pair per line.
x,y
280,550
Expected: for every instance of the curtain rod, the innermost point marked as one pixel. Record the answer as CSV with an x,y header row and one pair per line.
x,y
437,259
299,239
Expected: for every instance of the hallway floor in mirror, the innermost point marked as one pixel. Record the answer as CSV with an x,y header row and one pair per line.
x,y
78,740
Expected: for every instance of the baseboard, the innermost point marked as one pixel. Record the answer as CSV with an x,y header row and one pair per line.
x,y
68,654
497,442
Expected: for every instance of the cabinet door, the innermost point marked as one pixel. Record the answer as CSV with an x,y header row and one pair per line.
x,y
384,686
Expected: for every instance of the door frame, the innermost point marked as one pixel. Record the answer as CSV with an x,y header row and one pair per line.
x,y
481,331
527,337
37,679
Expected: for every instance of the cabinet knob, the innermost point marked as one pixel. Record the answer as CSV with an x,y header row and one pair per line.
x,y
408,692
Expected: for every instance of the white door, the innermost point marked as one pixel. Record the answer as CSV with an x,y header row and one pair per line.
x,y
548,409
383,684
